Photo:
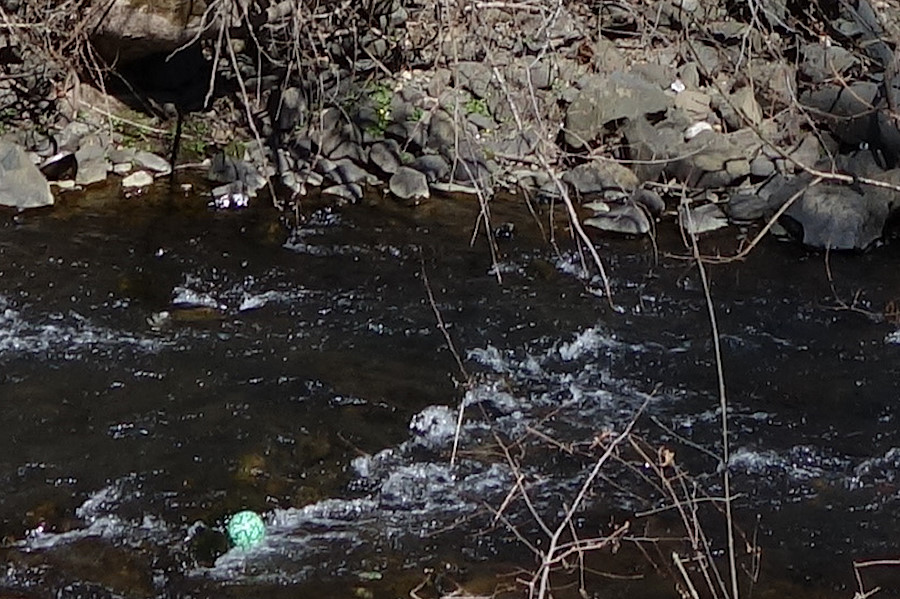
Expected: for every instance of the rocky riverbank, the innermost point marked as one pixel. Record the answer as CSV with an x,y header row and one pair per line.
x,y
701,114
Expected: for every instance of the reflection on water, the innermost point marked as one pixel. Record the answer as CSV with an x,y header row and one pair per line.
x,y
165,365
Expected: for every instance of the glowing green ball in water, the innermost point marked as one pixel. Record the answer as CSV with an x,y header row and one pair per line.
x,y
246,529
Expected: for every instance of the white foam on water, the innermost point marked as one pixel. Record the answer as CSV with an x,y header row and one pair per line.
x,y
250,293
185,296
101,518
434,427
878,470
66,337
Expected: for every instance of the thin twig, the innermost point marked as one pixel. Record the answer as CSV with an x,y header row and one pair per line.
x,y
723,402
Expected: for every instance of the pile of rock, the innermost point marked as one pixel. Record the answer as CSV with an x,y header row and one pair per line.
x,y
680,108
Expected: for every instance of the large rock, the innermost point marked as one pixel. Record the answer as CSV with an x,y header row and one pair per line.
x,y
385,156
126,30
627,218
434,167
708,159
604,99
225,169
93,164
21,183
409,184
839,217
847,110
599,177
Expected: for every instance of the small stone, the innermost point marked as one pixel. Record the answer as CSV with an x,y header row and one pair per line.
x,y
122,168
482,122
744,207
65,184
291,111
695,104
696,129
138,179
121,155
541,74
690,75
762,166
597,207
807,153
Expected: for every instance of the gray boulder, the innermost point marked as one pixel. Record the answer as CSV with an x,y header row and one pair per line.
x,y
21,183
745,207
152,162
225,169
123,30
385,156
345,171
349,191
627,218
839,217
409,184
434,167
92,162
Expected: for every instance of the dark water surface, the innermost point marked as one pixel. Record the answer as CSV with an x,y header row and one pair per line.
x,y
165,365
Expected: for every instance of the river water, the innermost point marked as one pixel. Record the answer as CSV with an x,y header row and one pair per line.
x,y
165,365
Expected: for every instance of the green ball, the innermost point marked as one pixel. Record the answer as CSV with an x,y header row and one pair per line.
x,y
246,529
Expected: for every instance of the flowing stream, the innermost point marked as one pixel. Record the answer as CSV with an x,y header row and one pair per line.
x,y
165,365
